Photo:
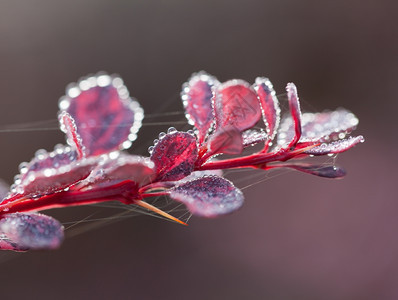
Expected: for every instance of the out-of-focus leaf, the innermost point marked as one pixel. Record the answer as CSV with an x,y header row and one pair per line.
x,y
29,231
106,118
197,96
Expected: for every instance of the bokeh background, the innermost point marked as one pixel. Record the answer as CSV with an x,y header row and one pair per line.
x,y
297,236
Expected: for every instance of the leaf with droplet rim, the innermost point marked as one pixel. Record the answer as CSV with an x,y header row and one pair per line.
x,y
336,147
197,96
68,126
123,167
208,196
227,140
29,231
320,127
174,156
270,106
295,112
236,104
106,118
252,137
50,172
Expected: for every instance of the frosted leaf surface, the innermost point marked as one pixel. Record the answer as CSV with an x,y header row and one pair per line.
x,y
29,231
197,96
106,118
174,155
208,196
227,140
49,172
252,137
236,104
322,127
197,174
337,146
270,105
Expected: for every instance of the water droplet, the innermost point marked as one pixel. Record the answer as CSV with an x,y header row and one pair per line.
x,y
155,141
150,149
23,167
162,135
171,130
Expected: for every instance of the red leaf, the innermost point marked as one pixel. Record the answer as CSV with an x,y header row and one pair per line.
x,y
68,126
107,119
49,172
236,104
208,196
197,96
295,112
227,140
174,155
270,105
123,167
29,231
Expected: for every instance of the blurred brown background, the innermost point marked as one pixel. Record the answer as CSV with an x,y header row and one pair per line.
x,y
297,237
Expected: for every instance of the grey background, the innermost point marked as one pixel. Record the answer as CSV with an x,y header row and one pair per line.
x,y
297,237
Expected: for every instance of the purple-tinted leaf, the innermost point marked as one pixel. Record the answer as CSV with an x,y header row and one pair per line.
x,y
29,231
270,105
320,127
68,126
294,106
318,170
252,137
337,146
208,196
122,167
106,117
197,96
49,172
227,140
174,155
236,104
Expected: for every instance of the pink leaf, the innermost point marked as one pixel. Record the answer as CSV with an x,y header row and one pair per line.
x,y
295,112
197,96
236,104
29,231
68,126
107,119
208,196
336,147
227,140
49,172
252,137
270,105
123,167
174,155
